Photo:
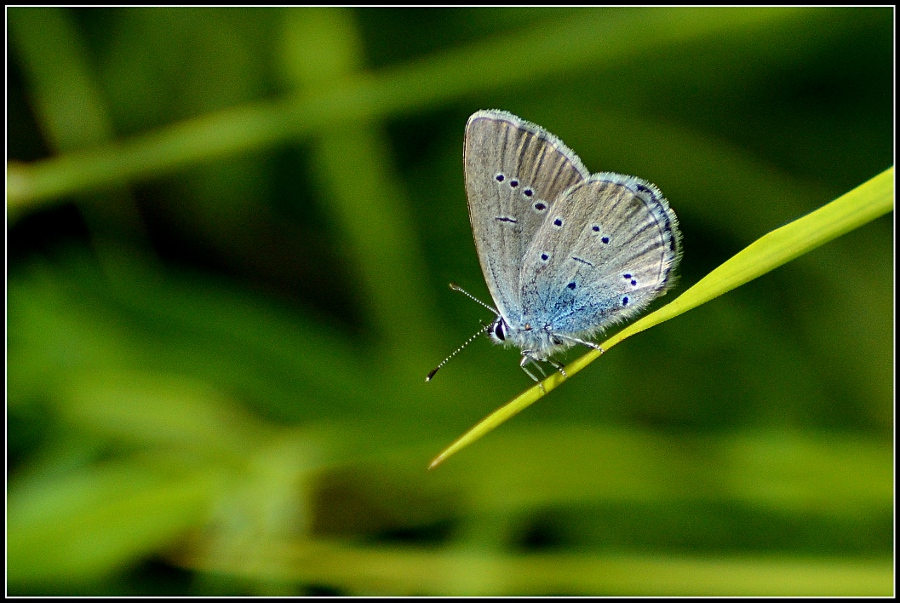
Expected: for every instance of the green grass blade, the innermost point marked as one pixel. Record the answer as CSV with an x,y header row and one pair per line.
x,y
848,212
428,82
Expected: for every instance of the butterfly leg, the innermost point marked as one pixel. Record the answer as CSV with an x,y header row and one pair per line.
x,y
589,344
558,366
526,358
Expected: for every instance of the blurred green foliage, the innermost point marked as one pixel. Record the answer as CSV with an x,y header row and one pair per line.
x,y
229,237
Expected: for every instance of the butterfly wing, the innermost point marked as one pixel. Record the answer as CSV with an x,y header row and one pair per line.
x,y
606,249
515,170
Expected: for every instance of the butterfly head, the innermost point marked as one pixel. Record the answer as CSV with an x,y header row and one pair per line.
x,y
538,343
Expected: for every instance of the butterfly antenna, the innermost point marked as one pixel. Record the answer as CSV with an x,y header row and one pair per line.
x,y
456,287
447,359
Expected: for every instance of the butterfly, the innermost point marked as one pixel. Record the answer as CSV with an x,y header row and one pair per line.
x,y
565,253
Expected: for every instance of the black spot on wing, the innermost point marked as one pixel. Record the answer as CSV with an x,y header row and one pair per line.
x,y
583,261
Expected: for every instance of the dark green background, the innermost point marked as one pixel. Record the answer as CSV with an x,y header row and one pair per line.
x,y
215,369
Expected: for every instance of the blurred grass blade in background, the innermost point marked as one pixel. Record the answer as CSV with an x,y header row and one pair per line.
x,y
495,64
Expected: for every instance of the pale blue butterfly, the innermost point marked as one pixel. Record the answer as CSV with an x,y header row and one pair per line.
x,y
565,253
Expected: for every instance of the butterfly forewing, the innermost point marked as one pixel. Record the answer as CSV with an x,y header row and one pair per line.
x,y
605,251
515,171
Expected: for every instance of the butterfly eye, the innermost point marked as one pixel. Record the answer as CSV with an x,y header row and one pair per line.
x,y
500,330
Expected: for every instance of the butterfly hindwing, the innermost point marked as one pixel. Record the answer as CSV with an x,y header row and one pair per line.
x,y
604,252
